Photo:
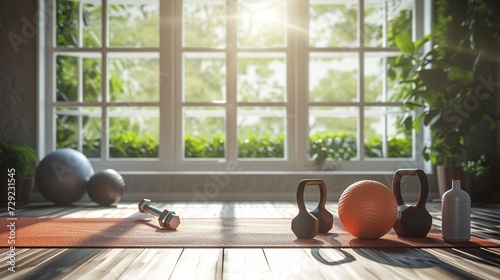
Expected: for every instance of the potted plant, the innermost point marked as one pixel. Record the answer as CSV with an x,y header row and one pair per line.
x,y
18,165
444,87
477,172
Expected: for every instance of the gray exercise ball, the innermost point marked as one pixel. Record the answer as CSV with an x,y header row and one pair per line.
x,y
106,187
62,176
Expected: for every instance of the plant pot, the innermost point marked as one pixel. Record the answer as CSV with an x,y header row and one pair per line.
x,y
447,173
23,188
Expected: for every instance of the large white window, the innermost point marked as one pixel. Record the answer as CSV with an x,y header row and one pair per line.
x,y
207,84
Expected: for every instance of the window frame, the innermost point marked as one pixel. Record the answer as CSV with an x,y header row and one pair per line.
x,y
170,103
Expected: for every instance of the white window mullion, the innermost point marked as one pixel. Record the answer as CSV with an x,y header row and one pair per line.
x,y
104,84
47,125
41,83
177,96
384,25
80,25
301,78
361,85
231,151
79,73
167,68
385,143
79,95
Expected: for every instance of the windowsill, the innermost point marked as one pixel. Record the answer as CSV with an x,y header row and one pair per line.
x,y
305,172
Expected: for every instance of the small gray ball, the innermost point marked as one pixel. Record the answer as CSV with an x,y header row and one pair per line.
x,y
106,187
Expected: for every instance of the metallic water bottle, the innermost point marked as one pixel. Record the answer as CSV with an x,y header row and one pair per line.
x,y
455,210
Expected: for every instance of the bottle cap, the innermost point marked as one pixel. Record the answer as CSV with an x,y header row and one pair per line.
x,y
455,194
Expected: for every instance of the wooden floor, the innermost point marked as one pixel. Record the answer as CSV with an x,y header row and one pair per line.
x,y
265,263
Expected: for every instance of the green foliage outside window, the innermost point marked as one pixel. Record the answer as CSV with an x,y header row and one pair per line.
x,y
261,147
125,145
397,147
336,146
204,147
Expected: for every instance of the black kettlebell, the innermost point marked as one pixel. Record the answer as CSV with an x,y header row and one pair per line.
x,y
306,224
415,220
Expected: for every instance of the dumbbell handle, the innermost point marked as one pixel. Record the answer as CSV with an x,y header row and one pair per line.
x,y
153,210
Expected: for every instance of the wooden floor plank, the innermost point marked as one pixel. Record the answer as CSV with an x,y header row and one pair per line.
x,y
27,262
288,211
199,264
244,210
189,210
245,264
153,264
213,210
398,263
108,264
340,264
4,251
469,263
63,264
370,264
292,264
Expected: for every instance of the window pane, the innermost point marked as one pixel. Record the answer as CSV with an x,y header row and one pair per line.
x,y
204,23
68,85
261,23
333,77
333,23
204,77
386,18
66,78
135,25
261,132
378,79
132,78
92,25
204,132
67,14
79,128
133,132
333,132
384,136
92,77
261,77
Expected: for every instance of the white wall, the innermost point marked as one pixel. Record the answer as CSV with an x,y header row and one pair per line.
x,y
18,43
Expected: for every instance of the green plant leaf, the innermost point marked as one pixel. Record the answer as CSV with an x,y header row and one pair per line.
x,y
432,117
491,121
420,42
433,78
404,43
413,105
465,76
417,122
407,121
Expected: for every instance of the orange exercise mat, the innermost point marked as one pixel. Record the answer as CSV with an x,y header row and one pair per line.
x,y
199,233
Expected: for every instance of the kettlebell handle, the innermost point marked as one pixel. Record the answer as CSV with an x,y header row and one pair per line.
x,y
423,185
300,193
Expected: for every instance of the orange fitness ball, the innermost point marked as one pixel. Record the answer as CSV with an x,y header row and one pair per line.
x,y
367,209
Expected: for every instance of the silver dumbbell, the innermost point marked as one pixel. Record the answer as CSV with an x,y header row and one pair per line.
x,y
166,219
